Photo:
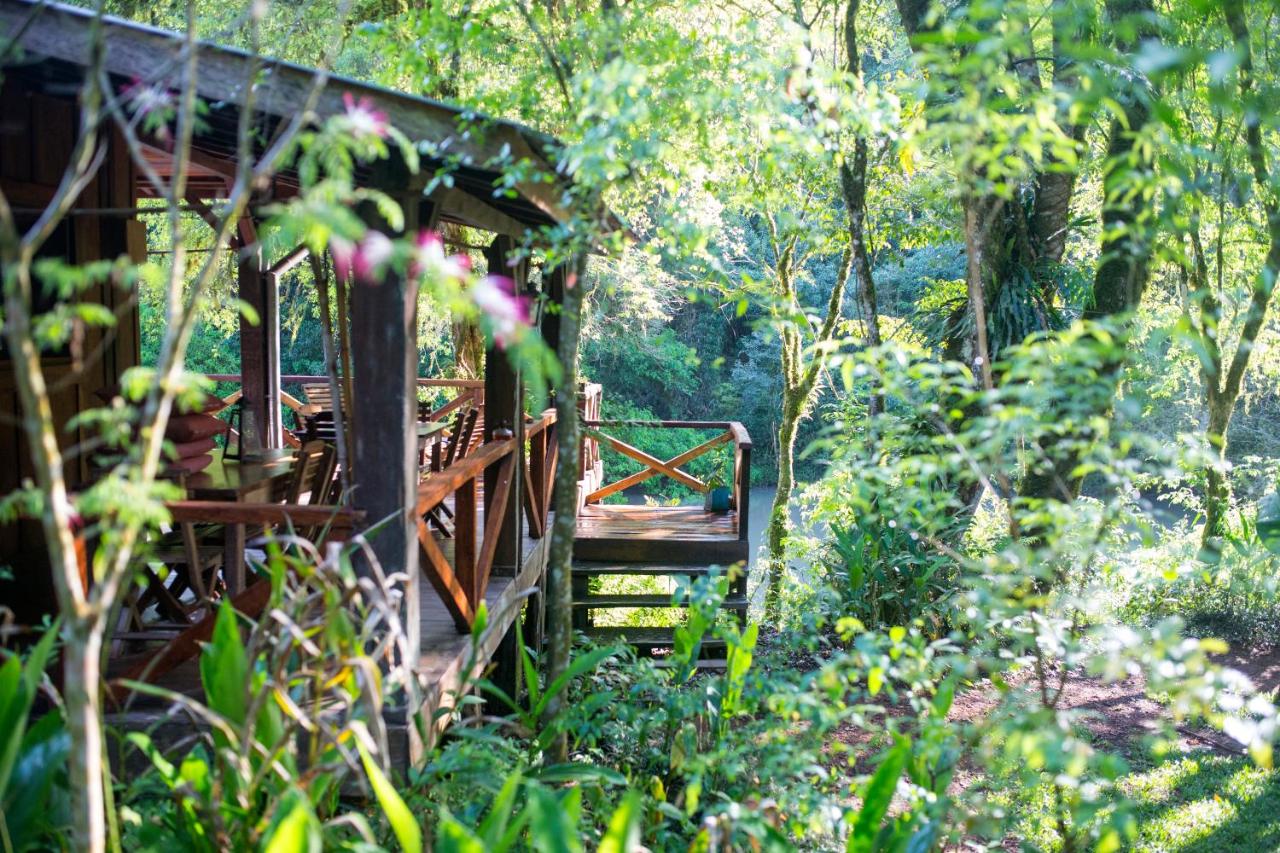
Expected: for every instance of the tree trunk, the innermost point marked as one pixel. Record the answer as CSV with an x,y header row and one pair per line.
x,y
563,528
853,186
82,655
1124,260
1217,488
780,514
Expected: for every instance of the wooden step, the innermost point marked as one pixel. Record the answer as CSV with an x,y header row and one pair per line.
x,y
607,600
649,640
595,569
703,664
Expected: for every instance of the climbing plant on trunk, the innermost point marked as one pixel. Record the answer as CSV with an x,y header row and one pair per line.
x,y
803,356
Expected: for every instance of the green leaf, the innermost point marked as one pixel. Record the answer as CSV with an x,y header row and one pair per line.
x,y
554,824
297,831
623,834
495,824
224,668
878,796
403,824
453,837
580,773
581,665
875,680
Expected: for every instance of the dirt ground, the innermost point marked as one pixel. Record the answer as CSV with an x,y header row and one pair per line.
x,y
1118,714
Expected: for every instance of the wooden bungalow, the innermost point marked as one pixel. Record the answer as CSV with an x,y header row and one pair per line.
x,y
496,497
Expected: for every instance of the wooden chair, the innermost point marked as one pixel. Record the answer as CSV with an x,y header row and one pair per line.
x,y
319,397
314,467
458,442
454,447
161,606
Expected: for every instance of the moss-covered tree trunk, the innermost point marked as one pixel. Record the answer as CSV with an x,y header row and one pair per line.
x,y
799,389
1225,386
1217,489
780,513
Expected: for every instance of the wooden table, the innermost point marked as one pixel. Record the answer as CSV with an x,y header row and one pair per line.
x,y
238,481
428,433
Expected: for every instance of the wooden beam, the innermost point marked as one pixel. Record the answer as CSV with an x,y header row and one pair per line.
x,y
440,485
446,583
460,205
273,434
256,362
495,518
299,515
289,261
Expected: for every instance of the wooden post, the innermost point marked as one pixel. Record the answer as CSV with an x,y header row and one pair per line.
x,y
273,422
253,347
553,294
384,355
504,410
260,341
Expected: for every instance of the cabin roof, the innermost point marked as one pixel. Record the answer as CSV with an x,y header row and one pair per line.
x,y
56,39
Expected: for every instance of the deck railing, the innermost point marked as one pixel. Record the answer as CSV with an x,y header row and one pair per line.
x,y
542,456
590,397
731,432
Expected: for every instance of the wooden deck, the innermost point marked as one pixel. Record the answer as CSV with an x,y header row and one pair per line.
x,y
446,659
676,535
442,665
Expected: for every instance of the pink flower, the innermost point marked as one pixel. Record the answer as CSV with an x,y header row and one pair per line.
x,y
344,253
506,311
152,104
362,119
366,259
372,255
429,260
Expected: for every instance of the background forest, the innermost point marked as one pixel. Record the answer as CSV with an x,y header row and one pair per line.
x,y
990,285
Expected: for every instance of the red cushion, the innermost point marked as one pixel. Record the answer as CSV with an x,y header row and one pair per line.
x,y
188,449
192,464
211,406
187,428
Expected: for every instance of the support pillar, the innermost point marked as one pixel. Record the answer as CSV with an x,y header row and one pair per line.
x,y
504,410
384,320
260,341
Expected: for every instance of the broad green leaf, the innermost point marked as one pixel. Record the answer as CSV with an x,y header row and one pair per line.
x,y
623,834
878,796
495,824
453,837
875,680
224,668
580,665
297,831
402,821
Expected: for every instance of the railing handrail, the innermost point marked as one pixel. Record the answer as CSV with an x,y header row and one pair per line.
x,y
296,378
541,422
730,431
440,484
740,435
227,512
